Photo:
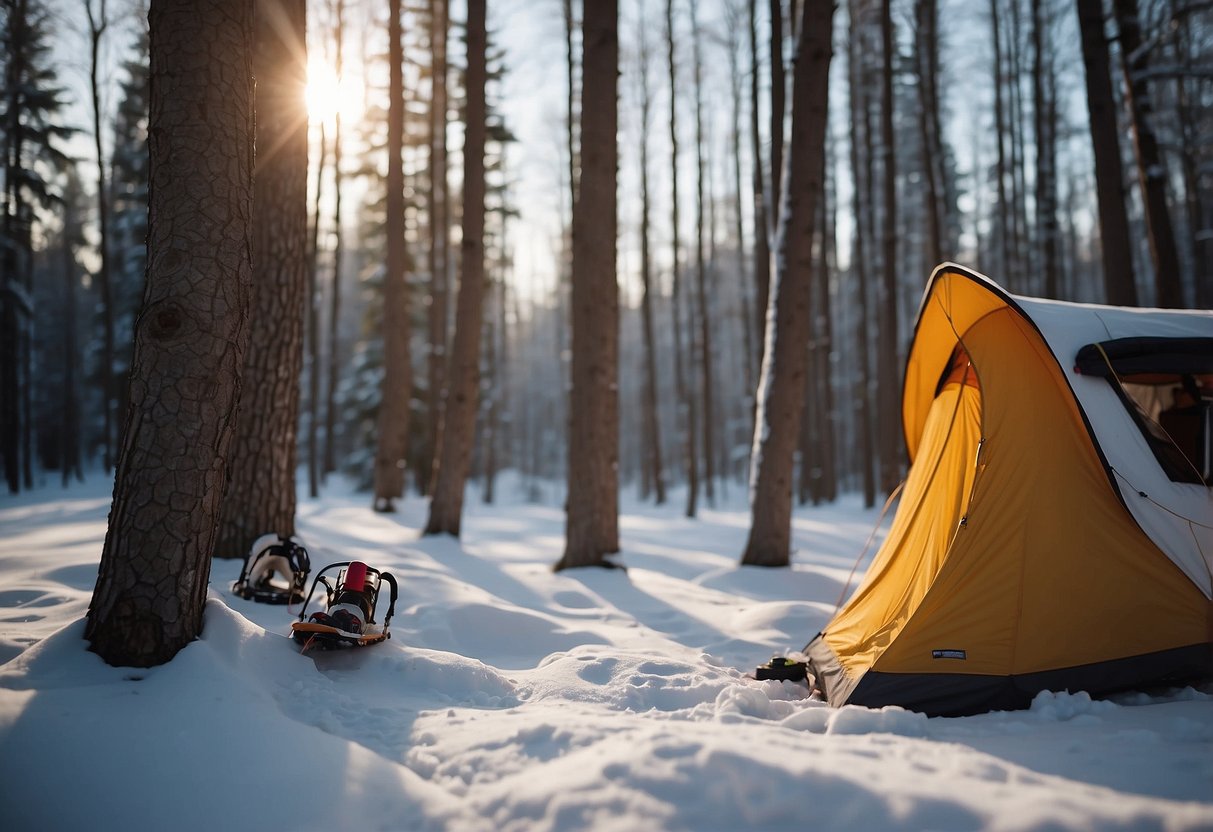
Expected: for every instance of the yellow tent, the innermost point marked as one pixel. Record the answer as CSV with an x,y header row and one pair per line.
x,y
1051,534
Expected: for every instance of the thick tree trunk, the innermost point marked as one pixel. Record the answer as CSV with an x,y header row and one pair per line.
x,y
778,106
1151,169
397,385
190,338
437,207
463,395
260,495
593,465
1114,224
781,388
889,371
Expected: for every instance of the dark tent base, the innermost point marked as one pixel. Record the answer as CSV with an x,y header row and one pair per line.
x,y
963,694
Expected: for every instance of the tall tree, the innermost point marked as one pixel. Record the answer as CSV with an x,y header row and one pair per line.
x,y
593,475
701,270
260,495
31,131
1151,171
437,205
314,461
686,408
334,336
652,429
861,176
778,105
762,249
98,22
1046,155
191,336
1003,209
926,43
397,384
888,411
463,394
781,388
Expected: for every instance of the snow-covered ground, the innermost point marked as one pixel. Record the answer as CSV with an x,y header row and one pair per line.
x,y
512,698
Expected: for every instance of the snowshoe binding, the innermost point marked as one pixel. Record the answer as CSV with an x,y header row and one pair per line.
x,y
348,619
272,556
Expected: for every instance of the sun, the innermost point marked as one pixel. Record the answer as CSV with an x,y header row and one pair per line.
x,y
327,95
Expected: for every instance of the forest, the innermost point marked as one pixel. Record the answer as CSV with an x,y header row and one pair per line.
x,y
671,247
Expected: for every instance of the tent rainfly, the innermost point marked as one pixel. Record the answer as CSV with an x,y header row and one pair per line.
x,y
1055,531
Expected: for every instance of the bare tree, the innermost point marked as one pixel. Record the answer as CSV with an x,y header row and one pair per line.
x,y
314,461
686,408
397,384
1046,154
781,388
438,211
260,495
191,335
334,344
704,309
926,42
1151,172
463,395
97,24
1003,210
778,106
593,479
762,249
652,453
888,411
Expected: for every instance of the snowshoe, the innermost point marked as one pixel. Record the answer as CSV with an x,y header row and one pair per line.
x,y
271,556
348,619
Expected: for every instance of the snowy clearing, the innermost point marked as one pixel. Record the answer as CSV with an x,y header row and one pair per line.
x,y
512,698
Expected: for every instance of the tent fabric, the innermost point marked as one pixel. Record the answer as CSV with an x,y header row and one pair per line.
x,y
1013,562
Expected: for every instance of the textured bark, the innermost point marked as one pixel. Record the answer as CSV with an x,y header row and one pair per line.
x,y
925,42
1003,210
593,469
889,375
397,385
190,337
314,462
454,457
781,388
778,105
260,496
436,360
1151,170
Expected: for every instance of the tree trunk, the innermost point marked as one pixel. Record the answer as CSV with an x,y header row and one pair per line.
x,y
96,27
762,248
686,410
593,476
436,363
861,182
924,15
781,389
777,112
314,462
889,371
463,395
1003,209
735,131
1115,241
397,385
191,336
1046,161
705,317
652,453
334,353
1151,170
260,495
